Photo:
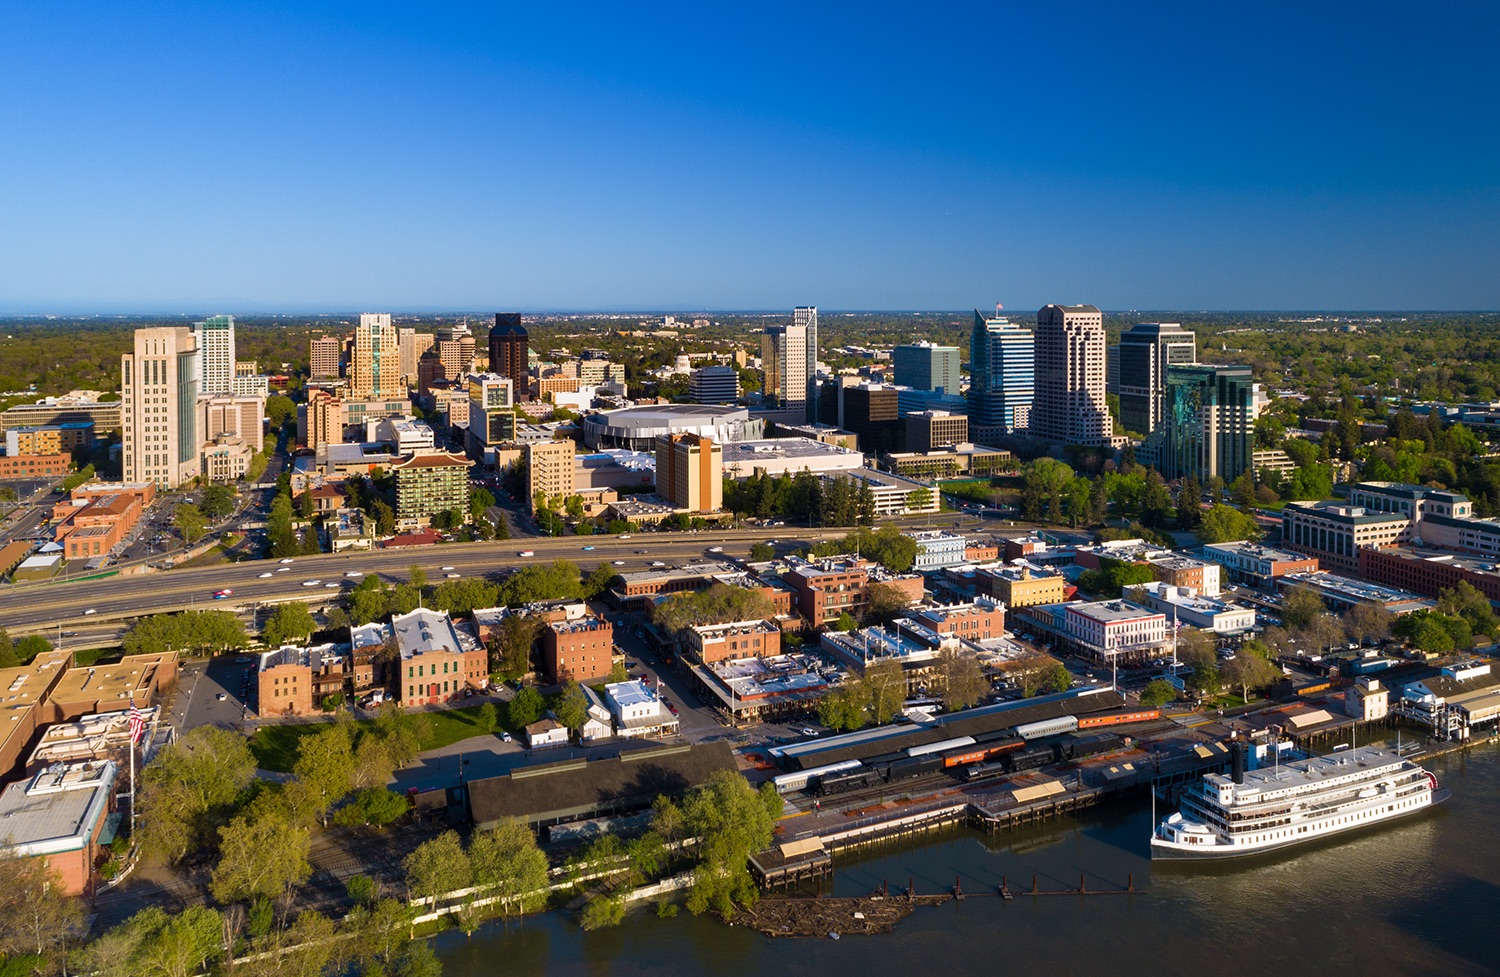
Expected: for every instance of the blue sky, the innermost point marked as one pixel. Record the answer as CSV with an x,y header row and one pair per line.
x,y
297,157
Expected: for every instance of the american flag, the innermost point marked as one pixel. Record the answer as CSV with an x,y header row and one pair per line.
x,y
137,723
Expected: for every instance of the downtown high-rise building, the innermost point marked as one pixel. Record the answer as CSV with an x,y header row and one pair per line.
x,y
789,360
159,385
716,384
783,359
456,346
326,357
413,344
375,360
806,316
1209,424
1002,377
924,366
1070,405
215,337
1146,350
509,348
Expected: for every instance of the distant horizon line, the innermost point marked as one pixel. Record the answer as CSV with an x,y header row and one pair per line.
x,y
329,312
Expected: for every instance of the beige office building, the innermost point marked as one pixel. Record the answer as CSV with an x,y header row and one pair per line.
x,y
326,354
375,364
1070,405
690,472
326,418
413,344
549,465
159,407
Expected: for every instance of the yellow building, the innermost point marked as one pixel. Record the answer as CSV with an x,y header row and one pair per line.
x,y
1021,587
690,472
549,465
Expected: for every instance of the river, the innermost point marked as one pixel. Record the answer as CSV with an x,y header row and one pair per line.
x,y
1415,897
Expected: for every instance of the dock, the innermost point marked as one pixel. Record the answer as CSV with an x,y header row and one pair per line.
x,y
809,841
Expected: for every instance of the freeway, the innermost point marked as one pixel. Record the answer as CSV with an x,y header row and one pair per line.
x,y
45,606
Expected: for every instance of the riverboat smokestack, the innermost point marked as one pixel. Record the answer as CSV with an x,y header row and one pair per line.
x,y
1237,761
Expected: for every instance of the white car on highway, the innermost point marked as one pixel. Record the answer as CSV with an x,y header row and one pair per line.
x,y
263,576
311,583
354,573
288,560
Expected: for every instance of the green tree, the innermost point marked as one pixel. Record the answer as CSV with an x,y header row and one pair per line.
x,y
325,765
1250,668
510,651
189,521
507,862
29,646
464,596
1057,678
718,604
279,410
761,552
843,707
602,911
374,806
217,501
289,623
598,582
481,500
845,622
962,679
261,857
181,945
1221,524
572,707
1300,607
731,821
883,602
1190,504
526,708
488,717
555,581
8,657
1157,693
885,684
190,789
438,866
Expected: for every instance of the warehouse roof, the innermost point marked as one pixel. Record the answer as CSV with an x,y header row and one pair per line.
x,y
551,793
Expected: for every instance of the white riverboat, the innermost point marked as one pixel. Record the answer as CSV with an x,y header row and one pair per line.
x,y
1256,811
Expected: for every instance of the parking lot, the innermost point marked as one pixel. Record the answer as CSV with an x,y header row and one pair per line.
x,y
216,693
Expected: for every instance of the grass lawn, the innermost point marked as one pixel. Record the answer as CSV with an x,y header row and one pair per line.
x,y
275,747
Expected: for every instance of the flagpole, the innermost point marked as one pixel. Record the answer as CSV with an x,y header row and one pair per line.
x,y
132,790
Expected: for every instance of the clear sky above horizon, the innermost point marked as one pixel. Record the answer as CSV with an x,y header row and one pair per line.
x,y
262,156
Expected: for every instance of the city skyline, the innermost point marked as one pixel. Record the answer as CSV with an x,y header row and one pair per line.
x,y
531,159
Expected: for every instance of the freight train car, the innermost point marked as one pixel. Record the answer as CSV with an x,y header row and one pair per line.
x,y
1077,747
916,766
844,781
1119,718
1033,756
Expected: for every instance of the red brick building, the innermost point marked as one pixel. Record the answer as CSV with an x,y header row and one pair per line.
x,y
34,466
438,661
826,588
974,621
582,650
738,639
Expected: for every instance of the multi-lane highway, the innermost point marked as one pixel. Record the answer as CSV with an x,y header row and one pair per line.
x,y
95,603
43,607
